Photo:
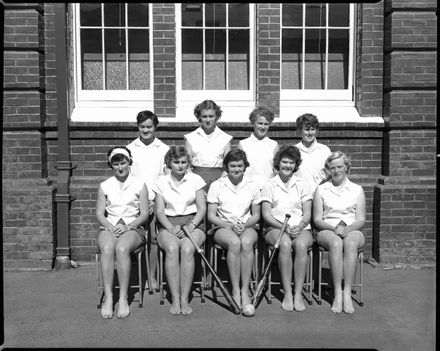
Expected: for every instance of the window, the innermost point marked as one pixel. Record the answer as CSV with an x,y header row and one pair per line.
x,y
215,60
113,55
317,51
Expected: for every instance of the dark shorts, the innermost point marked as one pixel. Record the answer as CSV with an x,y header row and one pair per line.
x,y
139,230
209,174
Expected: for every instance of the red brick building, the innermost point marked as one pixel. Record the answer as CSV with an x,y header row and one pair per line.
x,y
75,77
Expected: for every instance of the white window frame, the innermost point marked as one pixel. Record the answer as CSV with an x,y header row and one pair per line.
x,y
109,105
338,97
235,104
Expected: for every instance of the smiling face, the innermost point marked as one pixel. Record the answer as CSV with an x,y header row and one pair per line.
x,y
286,168
308,135
147,131
179,166
337,170
208,120
235,171
121,168
261,127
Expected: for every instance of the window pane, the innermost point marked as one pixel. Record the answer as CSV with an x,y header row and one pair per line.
x,y
293,15
215,15
90,14
215,61
114,15
137,14
338,15
338,47
91,59
115,74
238,15
315,59
291,59
192,15
238,77
138,59
315,15
192,59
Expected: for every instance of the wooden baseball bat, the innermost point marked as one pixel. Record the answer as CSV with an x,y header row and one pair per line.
x,y
222,287
260,285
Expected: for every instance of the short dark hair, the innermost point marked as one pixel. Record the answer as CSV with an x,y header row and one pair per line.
x,y
207,105
176,152
262,111
290,151
307,120
118,157
235,155
144,115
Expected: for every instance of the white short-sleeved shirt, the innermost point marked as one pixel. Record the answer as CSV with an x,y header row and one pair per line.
x,y
148,161
312,166
339,202
260,155
179,199
234,202
288,199
122,199
208,149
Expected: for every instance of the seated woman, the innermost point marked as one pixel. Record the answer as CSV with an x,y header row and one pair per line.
x,y
180,199
259,148
287,193
125,201
233,205
208,144
339,215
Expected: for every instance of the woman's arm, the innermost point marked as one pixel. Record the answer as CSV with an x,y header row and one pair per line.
x,y
214,219
227,148
267,216
255,217
318,222
100,211
359,222
143,209
188,147
160,213
201,209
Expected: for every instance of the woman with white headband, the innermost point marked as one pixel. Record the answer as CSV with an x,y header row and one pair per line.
x,y
121,209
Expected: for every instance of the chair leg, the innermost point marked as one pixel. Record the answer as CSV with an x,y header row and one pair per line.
x,y
161,264
213,282
98,279
361,277
147,266
319,278
269,288
140,287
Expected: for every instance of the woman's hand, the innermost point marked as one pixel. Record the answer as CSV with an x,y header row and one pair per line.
x,y
294,231
119,229
340,230
238,228
177,231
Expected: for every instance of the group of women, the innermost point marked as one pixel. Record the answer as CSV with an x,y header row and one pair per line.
x,y
156,186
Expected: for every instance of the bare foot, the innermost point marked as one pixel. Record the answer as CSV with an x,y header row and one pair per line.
x,y
186,310
298,303
237,297
123,308
348,303
245,299
153,284
337,303
175,307
287,302
107,308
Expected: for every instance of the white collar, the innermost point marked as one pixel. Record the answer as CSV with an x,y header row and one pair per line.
x,y
155,142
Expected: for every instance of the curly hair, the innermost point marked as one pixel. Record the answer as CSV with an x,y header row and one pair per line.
x,y
290,151
262,111
207,105
307,120
176,152
235,155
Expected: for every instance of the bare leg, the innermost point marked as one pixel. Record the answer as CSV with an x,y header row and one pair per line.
x,y
333,243
107,244
248,240
153,253
352,242
300,245
125,244
171,245
187,268
285,265
231,242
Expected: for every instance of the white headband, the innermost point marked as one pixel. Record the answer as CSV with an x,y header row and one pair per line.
x,y
118,150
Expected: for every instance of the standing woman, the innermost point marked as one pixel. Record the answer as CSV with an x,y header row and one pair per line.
x,y
180,198
148,164
125,201
234,206
208,144
287,193
339,215
259,148
313,154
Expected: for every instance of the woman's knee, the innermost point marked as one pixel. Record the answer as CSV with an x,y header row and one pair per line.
x,y
107,249
247,245
285,245
187,251
335,244
299,245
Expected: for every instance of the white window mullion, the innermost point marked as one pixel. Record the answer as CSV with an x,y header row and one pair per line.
x,y
326,46
203,46
303,73
103,47
126,48
227,48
